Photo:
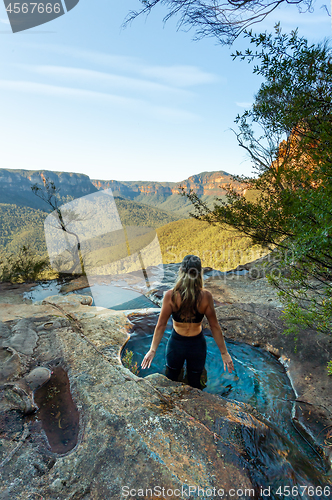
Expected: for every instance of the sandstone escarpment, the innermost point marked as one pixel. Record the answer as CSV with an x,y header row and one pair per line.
x,y
15,186
206,183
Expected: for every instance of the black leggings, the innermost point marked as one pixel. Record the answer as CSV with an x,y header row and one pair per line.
x,y
191,349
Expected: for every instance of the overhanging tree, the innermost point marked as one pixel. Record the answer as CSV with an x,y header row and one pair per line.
x,y
224,20
288,136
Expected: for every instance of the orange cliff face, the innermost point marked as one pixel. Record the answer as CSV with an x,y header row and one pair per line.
x,y
293,157
213,185
207,183
154,189
97,184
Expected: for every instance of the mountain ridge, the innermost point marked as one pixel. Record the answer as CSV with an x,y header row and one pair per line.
x,y
15,188
205,183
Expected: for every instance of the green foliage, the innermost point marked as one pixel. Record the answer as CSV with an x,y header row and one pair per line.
x,y
173,203
20,226
127,361
62,220
329,367
133,213
179,207
220,249
288,136
23,225
22,266
116,245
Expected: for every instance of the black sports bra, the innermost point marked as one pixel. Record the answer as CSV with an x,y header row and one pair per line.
x,y
196,319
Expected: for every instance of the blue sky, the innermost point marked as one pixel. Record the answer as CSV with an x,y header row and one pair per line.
x,y
81,94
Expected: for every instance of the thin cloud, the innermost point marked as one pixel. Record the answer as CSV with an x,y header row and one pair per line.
x,y
292,17
98,77
131,104
4,21
244,104
176,76
124,63
179,76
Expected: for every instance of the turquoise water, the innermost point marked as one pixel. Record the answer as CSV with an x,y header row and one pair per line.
x,y
43,290
279,458
282,457
108,296
118,294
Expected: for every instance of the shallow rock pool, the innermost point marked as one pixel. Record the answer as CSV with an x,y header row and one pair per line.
x,y
282,457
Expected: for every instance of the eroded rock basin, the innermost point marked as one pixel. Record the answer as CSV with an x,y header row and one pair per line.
x,y
278,455
143,432
57,412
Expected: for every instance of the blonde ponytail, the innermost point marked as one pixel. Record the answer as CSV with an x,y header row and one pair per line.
x,y
189,285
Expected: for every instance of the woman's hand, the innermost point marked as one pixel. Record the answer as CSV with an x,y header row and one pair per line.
x,y
228,362
146,363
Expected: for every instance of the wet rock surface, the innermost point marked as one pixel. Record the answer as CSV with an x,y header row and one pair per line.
x,y
134,432
250,312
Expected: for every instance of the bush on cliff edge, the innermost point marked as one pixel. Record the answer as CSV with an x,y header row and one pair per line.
x,y
288,136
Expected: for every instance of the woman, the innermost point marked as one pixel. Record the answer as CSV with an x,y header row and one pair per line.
x,y
188,303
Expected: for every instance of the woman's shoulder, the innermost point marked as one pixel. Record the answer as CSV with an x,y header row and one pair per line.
x,y
206,293
168,294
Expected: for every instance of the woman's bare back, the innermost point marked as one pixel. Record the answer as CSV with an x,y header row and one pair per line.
x,y
190,329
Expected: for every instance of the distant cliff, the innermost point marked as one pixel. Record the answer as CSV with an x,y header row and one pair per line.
x,y
15,186
206,183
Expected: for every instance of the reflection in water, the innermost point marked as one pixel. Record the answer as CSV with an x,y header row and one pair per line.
x,y
121,292
118,297
276,453
43,290
57,412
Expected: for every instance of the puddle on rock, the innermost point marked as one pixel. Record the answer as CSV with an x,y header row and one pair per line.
x,y
121,294
57,412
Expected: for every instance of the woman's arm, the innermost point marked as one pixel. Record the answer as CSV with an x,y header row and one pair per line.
x,y
166,311
210,313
